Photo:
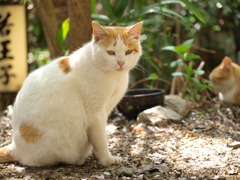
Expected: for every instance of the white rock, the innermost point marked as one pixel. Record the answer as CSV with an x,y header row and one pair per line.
x,y
158,115
177,104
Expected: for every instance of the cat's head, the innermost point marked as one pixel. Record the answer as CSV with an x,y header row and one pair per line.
x,y
116,48
222,75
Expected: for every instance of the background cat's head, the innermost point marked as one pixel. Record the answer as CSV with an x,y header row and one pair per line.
x,y
222,77
116,48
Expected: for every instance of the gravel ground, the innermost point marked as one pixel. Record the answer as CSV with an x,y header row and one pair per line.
x,y
205,145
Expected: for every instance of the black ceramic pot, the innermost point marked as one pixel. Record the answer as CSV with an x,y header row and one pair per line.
x,y
137,100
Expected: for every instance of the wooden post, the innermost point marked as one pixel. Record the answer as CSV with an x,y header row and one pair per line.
x,y
80,23
46,13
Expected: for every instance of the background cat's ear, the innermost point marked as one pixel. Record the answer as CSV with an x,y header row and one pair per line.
x,y
98,31
227,63
135,30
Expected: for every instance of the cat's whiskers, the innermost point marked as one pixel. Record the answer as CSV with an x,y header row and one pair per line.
x,y
141,69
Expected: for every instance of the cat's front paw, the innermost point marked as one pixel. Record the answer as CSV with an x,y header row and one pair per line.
x,y
110,160
80,162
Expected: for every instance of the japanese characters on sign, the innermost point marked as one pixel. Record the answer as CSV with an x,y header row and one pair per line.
x,y
13,47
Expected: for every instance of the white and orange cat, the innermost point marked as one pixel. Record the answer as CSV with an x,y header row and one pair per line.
x,y
225,80
60,113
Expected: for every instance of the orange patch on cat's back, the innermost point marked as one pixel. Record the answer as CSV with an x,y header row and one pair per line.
x,y
29,133
64,65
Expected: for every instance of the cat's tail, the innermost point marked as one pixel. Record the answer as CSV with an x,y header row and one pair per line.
x,y
6,154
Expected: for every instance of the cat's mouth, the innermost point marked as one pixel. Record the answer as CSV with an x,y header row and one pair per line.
x,y
120,69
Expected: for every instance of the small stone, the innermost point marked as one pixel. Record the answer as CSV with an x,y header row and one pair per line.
x,y
99,177
177,104
193,177
159,116
107,173
125,171
234,145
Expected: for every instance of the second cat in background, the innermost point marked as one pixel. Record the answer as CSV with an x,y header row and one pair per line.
x,y
225,79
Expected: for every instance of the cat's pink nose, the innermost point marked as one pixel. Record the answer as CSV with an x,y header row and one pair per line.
x,y
121,63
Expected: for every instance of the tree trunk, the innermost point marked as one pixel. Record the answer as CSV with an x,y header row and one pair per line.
x,y
46,13
80,23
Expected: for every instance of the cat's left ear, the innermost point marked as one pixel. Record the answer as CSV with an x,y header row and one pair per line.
x,y
227,63
135,30
98,31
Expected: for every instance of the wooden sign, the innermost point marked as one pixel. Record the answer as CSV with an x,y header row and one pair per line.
x,y
13,47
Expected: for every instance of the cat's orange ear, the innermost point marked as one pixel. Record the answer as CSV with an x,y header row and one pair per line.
x,y
227,63
98,31
135,30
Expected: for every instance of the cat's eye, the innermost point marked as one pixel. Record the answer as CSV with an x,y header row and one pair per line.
x,y
112,53
128,51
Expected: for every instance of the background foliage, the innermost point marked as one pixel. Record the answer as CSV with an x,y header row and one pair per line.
x,y
213,27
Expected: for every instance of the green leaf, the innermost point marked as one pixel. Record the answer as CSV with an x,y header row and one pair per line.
x,y
170,48
100,17
120,7
194,10
93,6
25,2
153,75
152,21
175,63
188,42
195,81
63,32
190,56
107,6
189,70
181,49
139,4
158,9
170,2
185,21
177,74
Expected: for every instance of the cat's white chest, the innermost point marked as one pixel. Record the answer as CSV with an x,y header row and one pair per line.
x,y
229,96
227,90
116,92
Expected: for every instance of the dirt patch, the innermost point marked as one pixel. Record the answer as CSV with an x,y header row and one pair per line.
x,y
201,147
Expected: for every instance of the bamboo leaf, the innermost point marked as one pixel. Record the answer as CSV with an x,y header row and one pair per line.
x,y
107,6
170,2
194,10
183,20
120,7
93,6
100,17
